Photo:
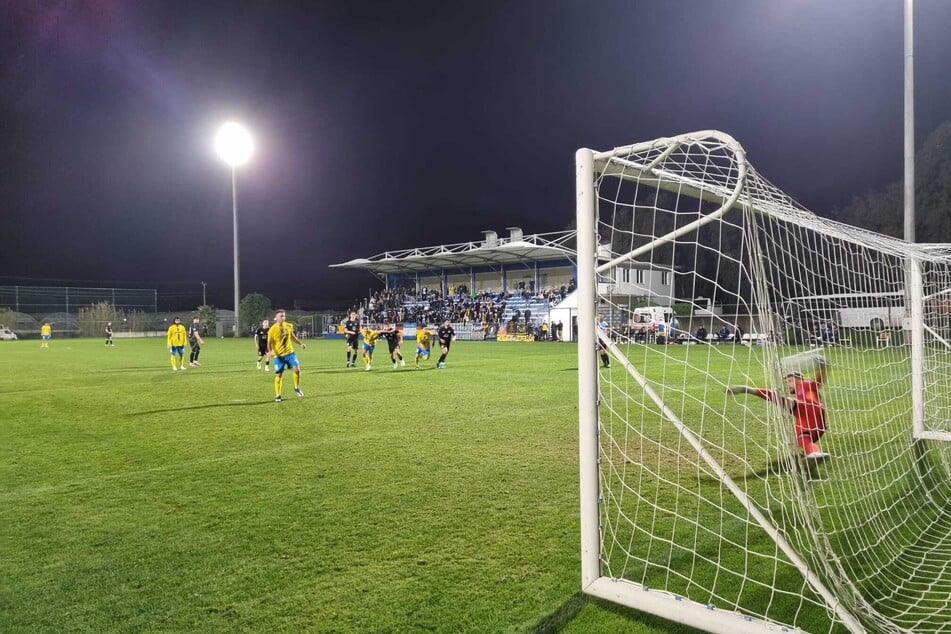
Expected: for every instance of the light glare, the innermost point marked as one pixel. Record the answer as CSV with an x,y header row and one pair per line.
x,y
234,144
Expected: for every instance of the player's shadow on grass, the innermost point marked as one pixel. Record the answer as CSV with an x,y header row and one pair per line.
x,y
194,407
787,465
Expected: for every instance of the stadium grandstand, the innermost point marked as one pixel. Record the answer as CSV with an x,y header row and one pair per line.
x,y
515,287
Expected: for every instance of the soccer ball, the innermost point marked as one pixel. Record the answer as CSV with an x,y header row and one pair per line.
x,y
807,362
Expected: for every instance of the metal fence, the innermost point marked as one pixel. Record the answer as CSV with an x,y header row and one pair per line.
x,y
41,300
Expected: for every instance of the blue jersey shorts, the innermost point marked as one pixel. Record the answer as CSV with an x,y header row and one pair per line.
x,y
179,350
422,352
368,348
287,361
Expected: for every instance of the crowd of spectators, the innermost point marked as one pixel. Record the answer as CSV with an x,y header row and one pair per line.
x,y
459,305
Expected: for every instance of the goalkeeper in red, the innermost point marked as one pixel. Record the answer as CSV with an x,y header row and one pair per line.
x,y
805,404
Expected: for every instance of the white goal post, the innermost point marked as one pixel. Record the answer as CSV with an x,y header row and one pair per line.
x,y
753,455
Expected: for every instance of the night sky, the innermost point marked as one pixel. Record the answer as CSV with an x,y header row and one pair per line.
x,y
388,125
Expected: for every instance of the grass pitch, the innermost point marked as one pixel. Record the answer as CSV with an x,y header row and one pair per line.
x,y
134,498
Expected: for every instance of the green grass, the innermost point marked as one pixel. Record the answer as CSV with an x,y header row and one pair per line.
x,y
134,498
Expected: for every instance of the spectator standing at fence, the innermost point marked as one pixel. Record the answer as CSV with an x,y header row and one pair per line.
x,y
544,331
109,334
830,335
195,342
351,332
280,347
446,335
260,341
175,340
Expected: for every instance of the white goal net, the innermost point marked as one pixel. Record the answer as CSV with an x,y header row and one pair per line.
x,y
764,401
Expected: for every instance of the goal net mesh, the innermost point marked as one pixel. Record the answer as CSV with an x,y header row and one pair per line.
x,y
709,277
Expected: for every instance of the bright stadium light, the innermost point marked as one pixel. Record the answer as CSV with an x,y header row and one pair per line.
x,y
234,145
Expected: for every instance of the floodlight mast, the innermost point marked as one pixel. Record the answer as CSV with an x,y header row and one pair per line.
x,y
235,146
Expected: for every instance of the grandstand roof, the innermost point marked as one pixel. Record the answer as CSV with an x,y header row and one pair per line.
x,y
490,251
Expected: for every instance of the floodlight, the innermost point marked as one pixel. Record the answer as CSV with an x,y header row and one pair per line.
x,y
234,144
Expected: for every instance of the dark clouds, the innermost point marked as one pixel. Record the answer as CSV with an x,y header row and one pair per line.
x,y
389,125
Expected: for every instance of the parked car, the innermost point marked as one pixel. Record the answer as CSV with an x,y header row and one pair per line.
x,y
7,335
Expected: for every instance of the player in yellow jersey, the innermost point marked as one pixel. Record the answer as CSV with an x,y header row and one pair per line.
x,y
280,348
175,340
424,338
46,333
369,343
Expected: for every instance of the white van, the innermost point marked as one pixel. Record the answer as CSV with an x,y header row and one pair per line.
x,y
652,315
662,318
7,335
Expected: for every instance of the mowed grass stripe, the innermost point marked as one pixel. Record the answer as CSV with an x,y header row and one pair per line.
x,y
382,501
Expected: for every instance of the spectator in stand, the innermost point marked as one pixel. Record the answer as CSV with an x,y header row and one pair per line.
x,y
829,334
701,334
724,333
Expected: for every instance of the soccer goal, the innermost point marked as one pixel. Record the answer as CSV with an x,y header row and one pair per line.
x,y
702,286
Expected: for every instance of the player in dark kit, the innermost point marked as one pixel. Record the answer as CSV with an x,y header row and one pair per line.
x,y
109,334
394,337
446,336
351,330
260,340
195,341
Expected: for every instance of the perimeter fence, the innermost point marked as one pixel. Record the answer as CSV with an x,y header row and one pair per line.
x,y
133,312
